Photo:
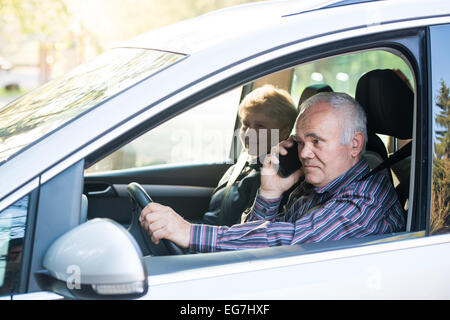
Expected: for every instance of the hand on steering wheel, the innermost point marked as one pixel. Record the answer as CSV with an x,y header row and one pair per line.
x,y
137,193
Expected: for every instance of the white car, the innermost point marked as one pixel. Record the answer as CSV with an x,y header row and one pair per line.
x,y
161,111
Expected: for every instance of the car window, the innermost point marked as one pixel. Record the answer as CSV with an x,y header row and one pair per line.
x,y
46,108
12,232
342,73
200,135
440,197
195,136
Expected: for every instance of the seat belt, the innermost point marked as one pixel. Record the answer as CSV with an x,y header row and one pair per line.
x,y
398,156
240,165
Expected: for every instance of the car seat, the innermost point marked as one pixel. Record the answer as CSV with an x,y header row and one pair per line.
x,y
312,90
389,105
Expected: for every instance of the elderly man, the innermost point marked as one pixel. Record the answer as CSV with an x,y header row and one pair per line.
x,y
334,200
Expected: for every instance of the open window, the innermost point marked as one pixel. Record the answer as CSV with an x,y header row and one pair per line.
x,y
181,159
363,69
369,77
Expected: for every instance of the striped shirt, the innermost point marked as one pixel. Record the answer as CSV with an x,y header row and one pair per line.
x,y
348,207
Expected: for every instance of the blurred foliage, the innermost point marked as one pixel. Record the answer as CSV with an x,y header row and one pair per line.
x,y
32,116
11,93
442,148
58,35
35,16
440,205
39,33
98,22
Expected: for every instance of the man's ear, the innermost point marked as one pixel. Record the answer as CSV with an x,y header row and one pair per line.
x,y
357,144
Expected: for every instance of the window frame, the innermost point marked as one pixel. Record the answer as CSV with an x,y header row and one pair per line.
x,y
409,42
431,118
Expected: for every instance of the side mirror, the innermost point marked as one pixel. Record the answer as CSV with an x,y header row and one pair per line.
x,y
96,260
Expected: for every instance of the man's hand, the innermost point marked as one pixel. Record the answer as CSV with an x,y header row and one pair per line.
x,y
163,222
272,184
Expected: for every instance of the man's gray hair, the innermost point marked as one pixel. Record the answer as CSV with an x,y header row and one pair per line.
x,y
354,116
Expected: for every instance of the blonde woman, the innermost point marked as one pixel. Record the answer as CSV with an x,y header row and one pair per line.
x,y
267,115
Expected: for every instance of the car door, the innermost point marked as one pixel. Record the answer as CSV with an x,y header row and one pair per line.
x,y
379,258
408,265
179,163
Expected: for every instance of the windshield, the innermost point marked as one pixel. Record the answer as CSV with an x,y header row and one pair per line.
x,y
47,108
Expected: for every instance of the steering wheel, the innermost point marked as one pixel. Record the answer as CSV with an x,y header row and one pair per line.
x,y
137,194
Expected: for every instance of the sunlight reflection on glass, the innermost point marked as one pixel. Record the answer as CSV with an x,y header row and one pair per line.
x,y
43,110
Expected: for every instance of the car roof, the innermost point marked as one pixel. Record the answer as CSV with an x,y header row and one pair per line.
x,y
192,35
243,21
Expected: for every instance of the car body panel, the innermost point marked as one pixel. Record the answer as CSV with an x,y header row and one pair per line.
x,y
294,18
368,271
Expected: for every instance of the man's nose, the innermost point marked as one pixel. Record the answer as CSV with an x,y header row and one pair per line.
x,y
305,152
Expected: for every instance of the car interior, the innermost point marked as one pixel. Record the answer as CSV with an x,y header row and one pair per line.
x,y
384,91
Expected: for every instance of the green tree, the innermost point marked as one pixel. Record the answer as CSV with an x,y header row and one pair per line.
x,y
443,119
34,16
440,205
48,23
70,32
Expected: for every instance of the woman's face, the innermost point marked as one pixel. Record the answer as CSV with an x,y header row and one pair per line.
x,y
259,133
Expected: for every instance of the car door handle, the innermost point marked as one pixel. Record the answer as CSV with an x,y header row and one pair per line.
x,y
100,193
100,190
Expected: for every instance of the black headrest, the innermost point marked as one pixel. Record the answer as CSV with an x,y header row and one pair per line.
x,y
312,90
388,102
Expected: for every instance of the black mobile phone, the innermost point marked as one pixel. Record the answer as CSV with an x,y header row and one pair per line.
x,y
290,162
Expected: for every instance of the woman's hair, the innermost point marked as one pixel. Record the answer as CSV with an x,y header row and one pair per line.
x,y
273,102
354,116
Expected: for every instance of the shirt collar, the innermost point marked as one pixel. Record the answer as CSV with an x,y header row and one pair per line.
x,y
355,172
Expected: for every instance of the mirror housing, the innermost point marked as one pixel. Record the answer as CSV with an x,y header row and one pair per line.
x,y
96,260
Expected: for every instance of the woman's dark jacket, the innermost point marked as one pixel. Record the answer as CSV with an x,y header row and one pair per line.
x,y
229,202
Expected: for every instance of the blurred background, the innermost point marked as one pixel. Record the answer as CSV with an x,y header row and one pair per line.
x,y
43,39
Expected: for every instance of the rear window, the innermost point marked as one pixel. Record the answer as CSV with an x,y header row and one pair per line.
x,y
47,108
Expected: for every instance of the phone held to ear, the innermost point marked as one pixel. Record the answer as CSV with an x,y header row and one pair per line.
x,y
290,162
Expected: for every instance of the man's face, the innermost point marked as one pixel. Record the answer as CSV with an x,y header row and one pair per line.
x,y
318,134
257,133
